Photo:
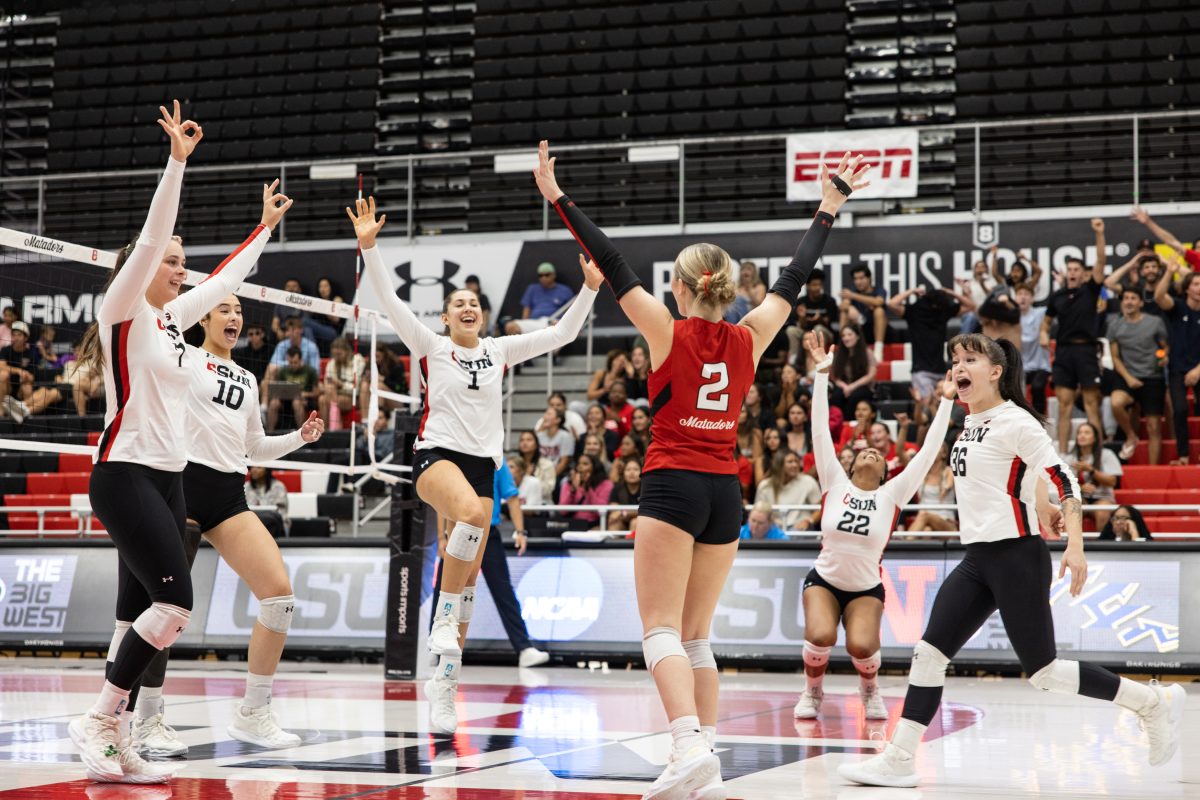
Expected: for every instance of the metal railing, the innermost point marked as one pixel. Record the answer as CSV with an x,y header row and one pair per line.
x,y
1144,140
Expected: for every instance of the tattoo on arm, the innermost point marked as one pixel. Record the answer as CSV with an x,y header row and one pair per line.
x,y
1071,508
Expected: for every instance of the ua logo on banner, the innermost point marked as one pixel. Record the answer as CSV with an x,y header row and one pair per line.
x,y
404,272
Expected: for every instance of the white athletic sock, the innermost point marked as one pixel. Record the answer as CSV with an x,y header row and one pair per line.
x,y
449,604
258,690
709,732
908,735
112,700
867,669
150,702
448,668
685,733
1137,697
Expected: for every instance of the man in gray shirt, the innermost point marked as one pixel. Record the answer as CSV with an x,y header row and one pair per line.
x,y
1136,341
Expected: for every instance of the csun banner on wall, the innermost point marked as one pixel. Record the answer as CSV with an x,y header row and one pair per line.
x,y
892,154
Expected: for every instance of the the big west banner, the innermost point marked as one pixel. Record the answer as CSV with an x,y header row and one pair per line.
x,y
892,154
899,256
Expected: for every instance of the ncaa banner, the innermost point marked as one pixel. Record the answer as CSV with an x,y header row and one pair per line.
x,y
892,154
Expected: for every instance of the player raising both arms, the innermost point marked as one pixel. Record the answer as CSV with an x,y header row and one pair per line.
x,y
224,429
1002,464
460,442
859,513
136,487
690,510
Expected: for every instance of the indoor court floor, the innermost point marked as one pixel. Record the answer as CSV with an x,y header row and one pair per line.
x,y
578,734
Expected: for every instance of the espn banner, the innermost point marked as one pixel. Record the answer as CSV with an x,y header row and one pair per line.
x,y
892,154
1139,610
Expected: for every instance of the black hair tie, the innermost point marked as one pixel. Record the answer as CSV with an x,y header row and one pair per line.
x,y
841,185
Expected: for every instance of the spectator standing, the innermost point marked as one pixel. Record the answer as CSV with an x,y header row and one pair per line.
x,y
264,489
927,317
1033,354
865,306
977,287
1189,253
1017,273
787,485
530,452
1076,367
1135,341
295,371
1098,470
541,301
1183,365
760,525
588,486
256,354
854,369
556,444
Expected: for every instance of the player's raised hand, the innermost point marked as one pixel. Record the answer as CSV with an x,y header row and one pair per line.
x,y
544,174
274,205
184,135
851,176
366,227
816,350
593,278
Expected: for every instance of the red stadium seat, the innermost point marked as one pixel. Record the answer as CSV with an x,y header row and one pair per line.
x,y
74,462
1166,524
1181,497
289,478
57,483
1168,431
36,500
93,439
883,371
1141,456
1160,477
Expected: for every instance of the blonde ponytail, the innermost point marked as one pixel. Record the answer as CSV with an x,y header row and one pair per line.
x,y
707,270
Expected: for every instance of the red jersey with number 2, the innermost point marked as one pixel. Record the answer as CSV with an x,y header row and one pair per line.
x,y
696,395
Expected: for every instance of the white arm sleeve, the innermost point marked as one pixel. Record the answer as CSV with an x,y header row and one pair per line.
x,y
829,469
1035,449
524,346
124,295
259,446
905,485
415,334
191,306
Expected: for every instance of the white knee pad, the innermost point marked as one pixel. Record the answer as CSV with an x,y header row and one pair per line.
x,y
1060,675
161,624
120,628
700,654
275,613
661,643
466,604
816,656
867,666
464,541
928,666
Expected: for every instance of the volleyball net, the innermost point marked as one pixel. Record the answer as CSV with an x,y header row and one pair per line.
x,y
55,288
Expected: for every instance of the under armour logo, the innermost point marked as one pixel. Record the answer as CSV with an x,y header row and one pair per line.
x,y
288,610
472,538
179,629
168,578
404,273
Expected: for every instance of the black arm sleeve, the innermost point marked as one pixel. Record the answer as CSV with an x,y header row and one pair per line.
x,y
791,280
599,248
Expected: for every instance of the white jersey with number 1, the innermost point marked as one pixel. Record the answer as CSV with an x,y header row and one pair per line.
x,y
855,524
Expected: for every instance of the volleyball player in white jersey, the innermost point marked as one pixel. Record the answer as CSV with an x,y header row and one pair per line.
x,y
1002,464
859,513
461,437
136,486
224,429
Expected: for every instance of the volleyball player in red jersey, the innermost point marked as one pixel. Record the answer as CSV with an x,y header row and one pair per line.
x,y
691,504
